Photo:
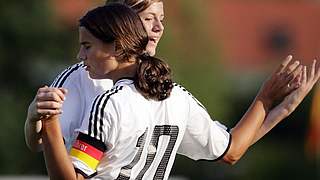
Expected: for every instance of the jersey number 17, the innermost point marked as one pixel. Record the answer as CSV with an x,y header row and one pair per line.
x,y
164,130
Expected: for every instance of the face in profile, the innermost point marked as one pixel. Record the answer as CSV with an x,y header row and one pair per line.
x,y
99,57
152,19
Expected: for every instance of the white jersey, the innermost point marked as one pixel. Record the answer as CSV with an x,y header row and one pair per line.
x,y
81,92
126,136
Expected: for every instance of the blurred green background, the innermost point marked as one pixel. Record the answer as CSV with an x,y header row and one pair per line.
x,y
37,41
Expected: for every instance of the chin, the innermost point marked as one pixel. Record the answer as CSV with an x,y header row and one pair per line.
x,y
151,51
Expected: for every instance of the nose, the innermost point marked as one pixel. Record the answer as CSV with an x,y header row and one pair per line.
x,y
81,55
157,26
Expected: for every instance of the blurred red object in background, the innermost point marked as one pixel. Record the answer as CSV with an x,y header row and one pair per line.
x,y
68,12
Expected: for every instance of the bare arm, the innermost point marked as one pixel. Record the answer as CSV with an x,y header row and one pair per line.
x,y
291,102
243,133
32,131
47,102
57,159
273,90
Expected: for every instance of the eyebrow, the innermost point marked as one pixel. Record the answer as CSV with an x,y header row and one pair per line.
x,y
162,15
84,43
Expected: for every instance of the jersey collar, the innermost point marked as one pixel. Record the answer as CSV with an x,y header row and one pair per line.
x,y
126,80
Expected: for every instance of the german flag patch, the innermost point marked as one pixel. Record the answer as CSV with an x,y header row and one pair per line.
x,y
88,150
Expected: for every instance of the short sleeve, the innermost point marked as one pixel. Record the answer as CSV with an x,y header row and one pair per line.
x,y
96,136
204,138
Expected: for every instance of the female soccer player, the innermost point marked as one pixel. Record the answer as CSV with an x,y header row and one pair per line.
x,y
134,130
81,88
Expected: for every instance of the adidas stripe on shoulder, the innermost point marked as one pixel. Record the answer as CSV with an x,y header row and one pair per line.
x,y
62,77
95,128
185,90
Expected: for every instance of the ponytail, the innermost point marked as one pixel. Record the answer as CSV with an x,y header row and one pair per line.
x,y
153,78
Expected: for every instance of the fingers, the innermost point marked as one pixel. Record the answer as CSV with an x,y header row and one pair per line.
x,y
296,83
284,64
311,71
49,105
44,113
304,75
289,69
314,74
306,78
296,78
317,73
55,94
49,101
294,70
63,90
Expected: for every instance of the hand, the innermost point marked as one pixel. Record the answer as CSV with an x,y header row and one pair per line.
x,y
47,102
307,81
282,82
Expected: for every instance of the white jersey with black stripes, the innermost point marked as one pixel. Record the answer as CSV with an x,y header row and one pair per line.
x,y
126,136
81,92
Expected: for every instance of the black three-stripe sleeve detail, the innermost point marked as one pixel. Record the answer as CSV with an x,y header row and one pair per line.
x,y
102,113
60,80
96,130
195,99
94,107
96,117
91,113
102,109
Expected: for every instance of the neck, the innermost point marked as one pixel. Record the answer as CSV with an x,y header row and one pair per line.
x,y
124,69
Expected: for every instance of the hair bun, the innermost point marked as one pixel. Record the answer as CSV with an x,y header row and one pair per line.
x,y
154,78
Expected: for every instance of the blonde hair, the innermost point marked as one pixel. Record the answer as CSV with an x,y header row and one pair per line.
x,y
137,5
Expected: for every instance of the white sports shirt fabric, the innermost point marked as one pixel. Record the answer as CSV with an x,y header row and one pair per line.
x,y
81,92
141,137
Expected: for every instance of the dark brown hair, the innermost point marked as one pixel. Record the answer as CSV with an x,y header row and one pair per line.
x,y
137,5
153,78
118,23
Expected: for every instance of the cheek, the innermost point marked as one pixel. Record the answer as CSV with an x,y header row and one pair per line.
x,y
94,60
94,55
148,27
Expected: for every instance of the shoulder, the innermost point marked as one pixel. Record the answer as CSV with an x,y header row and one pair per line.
x,y
179,90
108,98
120,96
123,88
69,74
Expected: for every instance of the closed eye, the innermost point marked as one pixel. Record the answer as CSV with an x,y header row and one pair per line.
x,y
86,45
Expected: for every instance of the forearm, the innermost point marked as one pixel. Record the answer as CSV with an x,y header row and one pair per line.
x,y
245,130
47,102
273,118
32,134
279,113
57,159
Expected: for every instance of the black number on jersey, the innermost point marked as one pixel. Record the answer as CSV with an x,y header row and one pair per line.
x,y
165,130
